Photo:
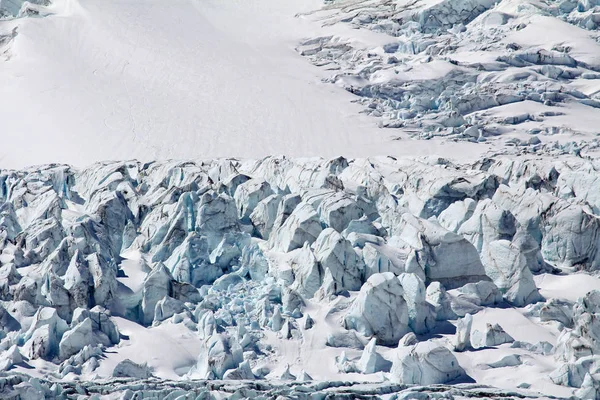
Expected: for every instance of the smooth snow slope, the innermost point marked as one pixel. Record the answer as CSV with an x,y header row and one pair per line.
x,y
157,79
122,79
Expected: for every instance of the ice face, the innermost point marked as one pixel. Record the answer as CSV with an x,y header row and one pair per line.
x,y
424,364
508,269
492,335
446,257
336,254
380,310
301,226
463,333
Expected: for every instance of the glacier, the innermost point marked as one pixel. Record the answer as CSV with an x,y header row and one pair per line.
x,y
464,264
92,258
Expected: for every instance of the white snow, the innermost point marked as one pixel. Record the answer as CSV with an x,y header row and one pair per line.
x,y
170,350
116,79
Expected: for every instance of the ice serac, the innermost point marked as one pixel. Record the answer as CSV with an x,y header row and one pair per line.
x,y
380,310
130,369
338,209
379,257
286,375
76,339
445,256
104,276
227,253
217,213
457,213
425,363
44,334
557,310
488,223
301,226
157,286
441,301
76,281
371,361
248,195
7,322
101,322
492,335
215,358
482,293
88,328
421,315
463,333
590,388
583,339
8,276
287,205
511,360
348,339
10,358
308,272
254,261
43,343
264,215
507,267
190,262
167,307
336,254
242,372
577,348
571,239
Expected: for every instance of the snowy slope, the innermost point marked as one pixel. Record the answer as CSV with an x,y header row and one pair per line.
x,y
97,80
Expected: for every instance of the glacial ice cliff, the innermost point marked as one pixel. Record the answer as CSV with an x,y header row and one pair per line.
x,y
247,255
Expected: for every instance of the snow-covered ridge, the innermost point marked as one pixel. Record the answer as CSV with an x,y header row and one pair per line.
x,y
304,269
468,70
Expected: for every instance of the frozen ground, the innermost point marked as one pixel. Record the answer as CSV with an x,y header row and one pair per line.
x,y
453,254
